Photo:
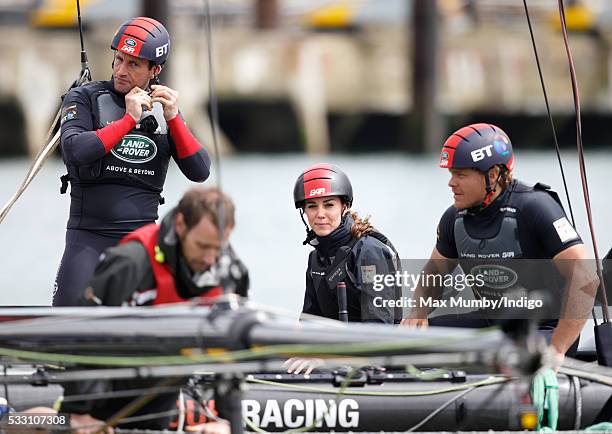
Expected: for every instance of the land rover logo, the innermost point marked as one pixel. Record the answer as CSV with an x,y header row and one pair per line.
x,y
495,276
130,42
135,149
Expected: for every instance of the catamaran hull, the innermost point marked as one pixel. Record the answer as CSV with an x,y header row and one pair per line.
x,y
283,407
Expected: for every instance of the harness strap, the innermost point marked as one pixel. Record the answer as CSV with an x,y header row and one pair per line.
x,y
336,272
64,179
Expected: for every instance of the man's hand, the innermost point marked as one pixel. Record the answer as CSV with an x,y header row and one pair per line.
x,y
221,427
85,424
553,359
419,323
39,410
168,99
135,100
297,365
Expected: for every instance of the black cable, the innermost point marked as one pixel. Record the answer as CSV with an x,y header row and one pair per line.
x,y
132,419
439,409
222,264
85,73
583,173
132,407
578,124
577,402
6,391
125,393
495,393
202,401
552,122
214,110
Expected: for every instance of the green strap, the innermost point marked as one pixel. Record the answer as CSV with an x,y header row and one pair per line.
x,y
159,255
603,426
545,397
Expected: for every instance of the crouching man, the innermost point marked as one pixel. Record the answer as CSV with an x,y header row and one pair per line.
x,y
174,261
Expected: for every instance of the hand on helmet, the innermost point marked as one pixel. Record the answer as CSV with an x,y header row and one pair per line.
x,y
168,99
135,101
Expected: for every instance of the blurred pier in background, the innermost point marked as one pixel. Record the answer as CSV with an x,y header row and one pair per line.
x,y
323,76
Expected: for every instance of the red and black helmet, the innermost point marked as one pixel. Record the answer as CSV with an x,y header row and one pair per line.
x,y
322,180
477,146
144,38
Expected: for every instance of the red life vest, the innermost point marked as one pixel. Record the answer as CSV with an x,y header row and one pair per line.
x,y
165,286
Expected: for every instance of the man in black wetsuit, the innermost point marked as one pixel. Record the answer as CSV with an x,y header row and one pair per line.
x,y
495,219
117,137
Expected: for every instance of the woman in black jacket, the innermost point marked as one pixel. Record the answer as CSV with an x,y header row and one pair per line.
x,y
349,257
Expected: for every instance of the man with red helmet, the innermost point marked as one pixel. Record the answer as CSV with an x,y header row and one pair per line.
x,y
495,220
117,137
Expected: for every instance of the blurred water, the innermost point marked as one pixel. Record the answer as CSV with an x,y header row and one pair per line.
x,y
405,195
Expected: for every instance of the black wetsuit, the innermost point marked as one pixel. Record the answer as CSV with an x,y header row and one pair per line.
x,y
365,258
113,191
536,212
517,236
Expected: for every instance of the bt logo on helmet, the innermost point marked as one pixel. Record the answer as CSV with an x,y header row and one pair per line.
x,y
161,50
479,154
316,192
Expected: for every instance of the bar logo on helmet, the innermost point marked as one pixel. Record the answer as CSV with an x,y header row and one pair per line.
x,y
130,46
480,153
444,159
316,192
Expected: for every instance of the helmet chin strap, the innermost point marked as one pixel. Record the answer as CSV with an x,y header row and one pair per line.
x,y
155,78
310,234
304,221
490,189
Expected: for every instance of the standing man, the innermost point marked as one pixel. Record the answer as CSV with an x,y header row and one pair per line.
x,y
495,218
117,137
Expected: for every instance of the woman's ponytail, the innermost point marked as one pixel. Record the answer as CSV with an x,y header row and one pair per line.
x,y
360,227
